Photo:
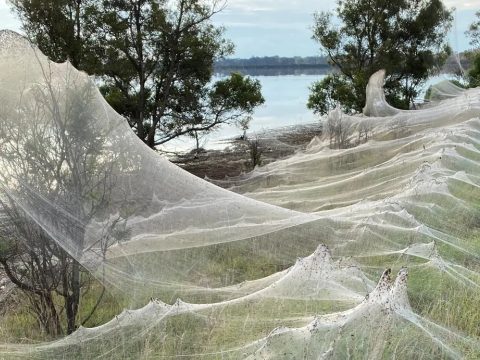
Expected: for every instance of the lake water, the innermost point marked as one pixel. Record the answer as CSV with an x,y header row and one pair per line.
x,y
285,104
285,96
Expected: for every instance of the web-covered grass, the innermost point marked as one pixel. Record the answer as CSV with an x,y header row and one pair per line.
x,y
365,250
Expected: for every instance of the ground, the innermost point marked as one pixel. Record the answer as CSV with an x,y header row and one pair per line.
x,y
236,158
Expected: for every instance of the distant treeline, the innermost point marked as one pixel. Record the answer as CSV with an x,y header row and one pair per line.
x,y
310,65
273,62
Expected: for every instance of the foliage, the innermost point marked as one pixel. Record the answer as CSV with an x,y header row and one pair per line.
x,y
474,72
473,75
41,269
327,92
406,38
53,157
473,56
473,32
154,60
232,93
57,27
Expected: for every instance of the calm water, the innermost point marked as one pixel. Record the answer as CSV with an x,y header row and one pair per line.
x,y
285,104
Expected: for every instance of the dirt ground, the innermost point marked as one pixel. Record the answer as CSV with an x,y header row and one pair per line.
x,y
236,158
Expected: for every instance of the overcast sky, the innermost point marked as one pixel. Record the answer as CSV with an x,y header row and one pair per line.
x,y
283,27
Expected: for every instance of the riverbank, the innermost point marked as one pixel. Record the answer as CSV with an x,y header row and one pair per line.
x,y
241,155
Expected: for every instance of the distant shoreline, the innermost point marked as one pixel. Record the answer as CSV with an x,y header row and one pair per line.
x,y
275,66
310,65
274,70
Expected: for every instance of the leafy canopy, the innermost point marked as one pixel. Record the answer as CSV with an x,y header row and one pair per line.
x,y
473,33
406,38
153,58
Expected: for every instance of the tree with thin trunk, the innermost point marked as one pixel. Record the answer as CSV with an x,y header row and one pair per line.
x,y
407,38
153,58
57,171
43,271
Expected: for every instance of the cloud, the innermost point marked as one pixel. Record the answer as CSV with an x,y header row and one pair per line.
x,y
464,5
282,5
279,27
283,27
314,5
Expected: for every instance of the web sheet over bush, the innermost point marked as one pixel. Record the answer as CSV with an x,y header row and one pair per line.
x,y
292,262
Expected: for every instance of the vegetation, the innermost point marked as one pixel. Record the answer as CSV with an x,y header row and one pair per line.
x,y
56,160
153,59
473,76
39,268
19,320
406,38
473,32
430,294
164,93
474,72
255,151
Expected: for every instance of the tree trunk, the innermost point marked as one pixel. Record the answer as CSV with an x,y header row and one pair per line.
x,y
151,138
73,299
53,321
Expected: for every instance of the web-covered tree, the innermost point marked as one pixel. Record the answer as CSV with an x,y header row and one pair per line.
x,y
153,58
56,159
44,272
406,38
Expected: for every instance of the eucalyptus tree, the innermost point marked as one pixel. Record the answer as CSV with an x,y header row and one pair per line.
x,y
153,59
407,38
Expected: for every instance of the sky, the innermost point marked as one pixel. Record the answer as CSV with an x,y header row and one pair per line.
x,y
283,27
